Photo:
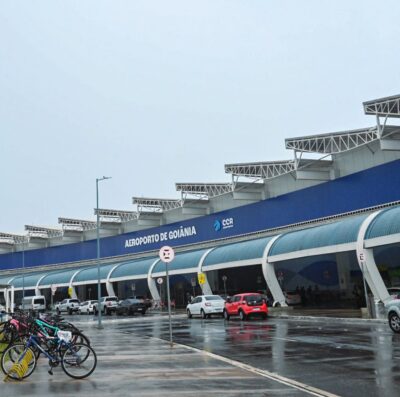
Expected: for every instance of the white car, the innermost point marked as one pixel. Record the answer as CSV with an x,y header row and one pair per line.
x,y
87,307
394,292
393,312
292,298
67,305
205,306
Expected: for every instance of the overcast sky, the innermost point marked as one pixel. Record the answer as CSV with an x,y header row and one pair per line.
x,y
157,92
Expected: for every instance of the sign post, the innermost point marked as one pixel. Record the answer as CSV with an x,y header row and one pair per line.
x,y
224,278
167,255
193,281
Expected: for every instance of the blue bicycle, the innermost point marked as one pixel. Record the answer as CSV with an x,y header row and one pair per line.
x,y
78,360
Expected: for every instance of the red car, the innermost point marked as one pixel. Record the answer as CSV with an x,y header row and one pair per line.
x,y
245,305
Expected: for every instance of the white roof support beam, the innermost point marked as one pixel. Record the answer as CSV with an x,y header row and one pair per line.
x,y
385,107
115,216
42,232
76,225
333,143
261,170
204,190
156,204
8,239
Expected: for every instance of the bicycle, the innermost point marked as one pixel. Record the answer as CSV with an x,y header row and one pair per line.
x,y
77,360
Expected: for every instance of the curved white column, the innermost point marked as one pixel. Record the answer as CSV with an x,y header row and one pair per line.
x,y
37,289
205,288
71,284
109,286
270,276
152,284
366,261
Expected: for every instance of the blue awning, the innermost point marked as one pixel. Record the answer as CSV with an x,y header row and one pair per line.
x,y
184,261
29,281
91,273
243,251
386,223
62,277
336,233
134,269
5,280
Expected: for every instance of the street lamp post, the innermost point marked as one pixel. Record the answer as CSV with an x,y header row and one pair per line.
x,y
99,324
23,274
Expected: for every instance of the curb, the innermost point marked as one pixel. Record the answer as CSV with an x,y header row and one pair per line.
x,y
360,321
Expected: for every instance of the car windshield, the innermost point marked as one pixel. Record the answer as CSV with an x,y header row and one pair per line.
x,y
111,299
213,298
74,301
253,298
39,301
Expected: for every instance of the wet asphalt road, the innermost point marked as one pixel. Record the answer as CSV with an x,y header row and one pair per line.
x,y
135,360
344,359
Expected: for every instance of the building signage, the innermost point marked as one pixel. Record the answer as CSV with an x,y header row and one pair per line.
x,y
175,234
222,224
325,199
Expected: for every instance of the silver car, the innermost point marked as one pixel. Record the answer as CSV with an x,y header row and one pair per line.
x,y
393,311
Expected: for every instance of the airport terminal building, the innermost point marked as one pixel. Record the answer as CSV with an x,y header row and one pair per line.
x,y
320,223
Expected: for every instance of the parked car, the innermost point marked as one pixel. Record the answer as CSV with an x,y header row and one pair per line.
x,y
131,306
108,304
393,312
87,307
394,292
37,303
205,306
292,298
246,305
67,305
148,302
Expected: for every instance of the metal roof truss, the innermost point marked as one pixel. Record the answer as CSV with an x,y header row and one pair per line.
x,y
156,204
204,190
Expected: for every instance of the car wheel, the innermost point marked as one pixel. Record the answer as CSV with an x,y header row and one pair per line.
x,y
106,313
226,315
189,314
69,311
143,312
203,314
264,316
394,322
242,315
58,311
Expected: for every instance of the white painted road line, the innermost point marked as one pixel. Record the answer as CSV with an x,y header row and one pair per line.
x,y
313,391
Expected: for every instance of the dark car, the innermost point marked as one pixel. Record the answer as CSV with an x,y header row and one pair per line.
x,y
131,306
148,302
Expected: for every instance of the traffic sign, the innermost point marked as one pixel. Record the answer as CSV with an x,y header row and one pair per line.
x,y
202,278
224,278
166,254
160,280
53,289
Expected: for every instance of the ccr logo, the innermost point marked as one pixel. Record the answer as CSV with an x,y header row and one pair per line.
x,y
217,225
223,224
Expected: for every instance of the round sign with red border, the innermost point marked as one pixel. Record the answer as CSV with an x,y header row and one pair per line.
x,y
166,254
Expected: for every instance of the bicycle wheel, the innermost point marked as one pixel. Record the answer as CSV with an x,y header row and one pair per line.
x,y
18,362
79,361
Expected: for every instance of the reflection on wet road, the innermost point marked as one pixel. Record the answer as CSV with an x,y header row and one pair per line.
x,y
347,360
